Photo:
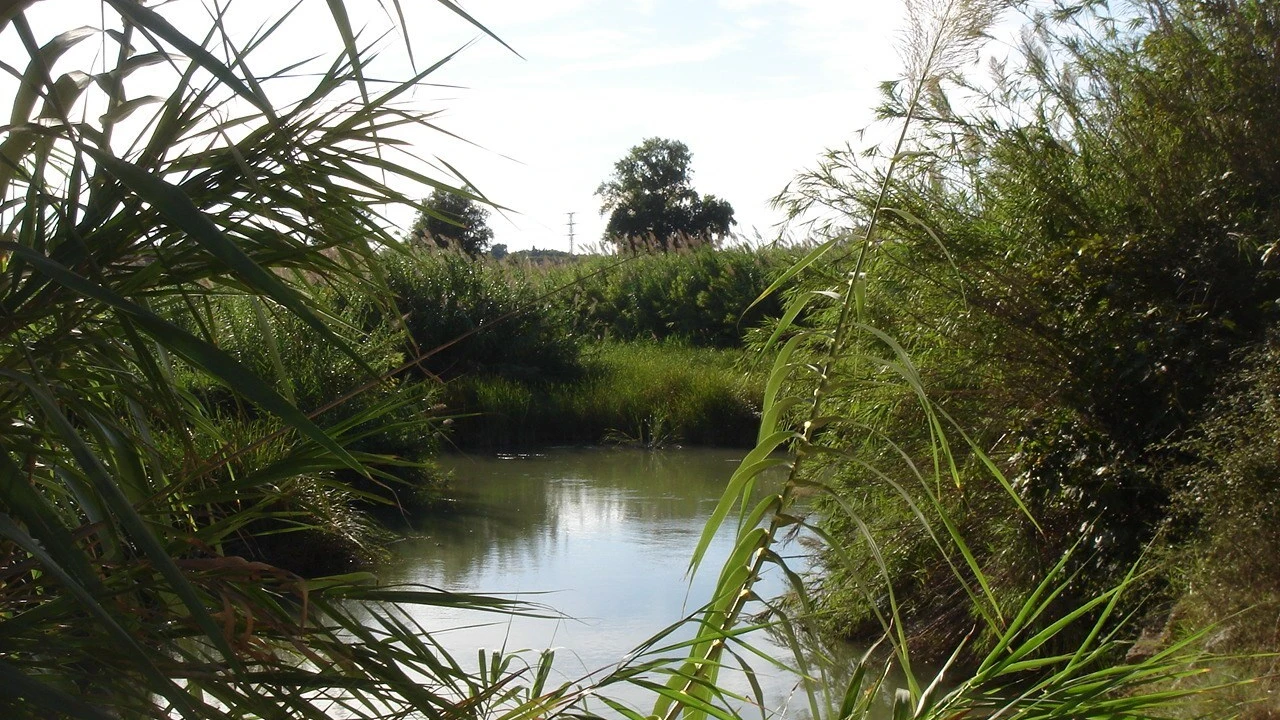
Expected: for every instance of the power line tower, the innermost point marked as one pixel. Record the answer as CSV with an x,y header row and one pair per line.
x,y
571,232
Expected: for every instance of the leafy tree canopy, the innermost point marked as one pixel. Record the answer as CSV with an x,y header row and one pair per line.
x,y
650,199
450,220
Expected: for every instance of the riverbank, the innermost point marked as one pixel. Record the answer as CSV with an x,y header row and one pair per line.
x,y
475,353
637,393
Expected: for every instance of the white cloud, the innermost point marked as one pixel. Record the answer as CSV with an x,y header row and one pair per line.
x,y
516,13
639,56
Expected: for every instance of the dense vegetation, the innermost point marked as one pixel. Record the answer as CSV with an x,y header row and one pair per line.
x,y
531,354
703,296
646,394
177,395
212,344
1081,265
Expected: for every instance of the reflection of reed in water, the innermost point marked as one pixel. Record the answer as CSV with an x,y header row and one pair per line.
x,y
605,531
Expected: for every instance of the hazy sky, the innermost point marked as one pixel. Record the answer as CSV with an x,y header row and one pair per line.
x,y
755,88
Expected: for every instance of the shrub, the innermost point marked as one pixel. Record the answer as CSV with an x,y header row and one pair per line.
x,y
701,296
1071,264
468,317
389,421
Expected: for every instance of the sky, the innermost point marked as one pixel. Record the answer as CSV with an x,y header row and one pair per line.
x,y
756,88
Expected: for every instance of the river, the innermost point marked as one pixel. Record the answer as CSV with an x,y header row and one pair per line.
x,y
603,536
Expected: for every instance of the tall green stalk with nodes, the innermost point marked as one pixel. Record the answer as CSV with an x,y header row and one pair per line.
x,y
811,364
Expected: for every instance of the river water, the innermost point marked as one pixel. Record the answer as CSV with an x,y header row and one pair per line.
x,y
604,537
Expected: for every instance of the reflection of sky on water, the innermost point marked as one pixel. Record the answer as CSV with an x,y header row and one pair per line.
x,y
607,534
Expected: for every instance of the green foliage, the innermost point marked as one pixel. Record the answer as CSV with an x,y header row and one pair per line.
x,y
1074,263
651,201
537,257
452,220
128,473
127,478
310,522
1221,529
389,420
855,404
465,317
634,393
700,297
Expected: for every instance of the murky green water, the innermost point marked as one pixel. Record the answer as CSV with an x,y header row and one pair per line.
x,y
604,535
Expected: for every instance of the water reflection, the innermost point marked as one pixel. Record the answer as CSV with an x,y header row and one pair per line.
x,y
605,533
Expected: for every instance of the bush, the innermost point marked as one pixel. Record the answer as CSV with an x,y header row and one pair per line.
x,y
1222,529
701,296
467,317
390,424
1072,266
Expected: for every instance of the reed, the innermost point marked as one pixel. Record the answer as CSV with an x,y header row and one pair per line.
x,y
696,295
1084,299
472,317
1025,653
122,492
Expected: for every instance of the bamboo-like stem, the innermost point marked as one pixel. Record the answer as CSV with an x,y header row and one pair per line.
x,y
804,440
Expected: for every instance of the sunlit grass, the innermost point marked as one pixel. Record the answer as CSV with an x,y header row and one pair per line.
x,y
632,393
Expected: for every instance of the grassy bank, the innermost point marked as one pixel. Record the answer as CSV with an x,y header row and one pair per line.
x,y
642,393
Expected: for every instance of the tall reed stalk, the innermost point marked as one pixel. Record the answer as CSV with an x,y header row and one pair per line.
x,y
135,186
1016,678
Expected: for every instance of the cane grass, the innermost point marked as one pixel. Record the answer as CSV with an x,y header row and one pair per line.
x,y
1017,676
124,216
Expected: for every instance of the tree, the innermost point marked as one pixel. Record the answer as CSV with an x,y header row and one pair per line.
x,y
649,197
451,220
